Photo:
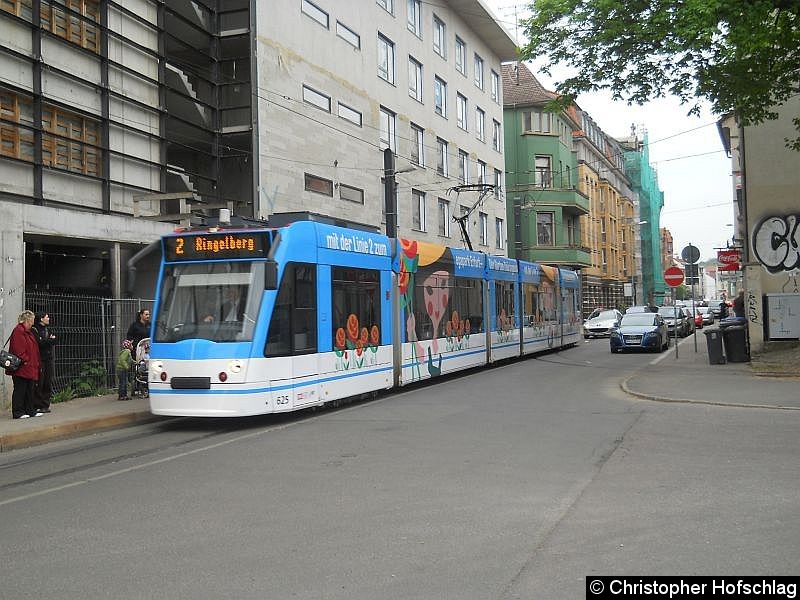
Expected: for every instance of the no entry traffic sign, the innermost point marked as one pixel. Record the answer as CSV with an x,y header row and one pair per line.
x,y
673,276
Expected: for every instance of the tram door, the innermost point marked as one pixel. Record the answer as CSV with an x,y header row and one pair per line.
x,y
292,339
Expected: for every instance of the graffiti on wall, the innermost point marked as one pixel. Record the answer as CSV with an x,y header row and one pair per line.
x,y
776,243
752,307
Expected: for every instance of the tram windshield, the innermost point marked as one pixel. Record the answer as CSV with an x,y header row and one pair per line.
x,y
216,301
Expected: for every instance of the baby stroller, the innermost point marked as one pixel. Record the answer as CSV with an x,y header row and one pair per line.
x,y
140,369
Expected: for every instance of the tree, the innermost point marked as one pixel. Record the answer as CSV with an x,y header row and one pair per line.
x,y
740,55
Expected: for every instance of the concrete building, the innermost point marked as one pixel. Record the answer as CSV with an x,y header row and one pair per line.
x,y
766,178
121,121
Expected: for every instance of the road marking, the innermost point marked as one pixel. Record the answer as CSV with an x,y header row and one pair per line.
x,y
669,350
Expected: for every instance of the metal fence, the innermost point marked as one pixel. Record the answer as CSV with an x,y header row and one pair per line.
x,y
87,328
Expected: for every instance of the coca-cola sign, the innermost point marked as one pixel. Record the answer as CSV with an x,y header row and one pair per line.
x,y
729,259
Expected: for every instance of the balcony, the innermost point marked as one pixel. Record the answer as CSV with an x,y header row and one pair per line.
x,y
572,201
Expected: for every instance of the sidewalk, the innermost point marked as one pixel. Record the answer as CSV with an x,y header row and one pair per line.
x,y
772,380
78,417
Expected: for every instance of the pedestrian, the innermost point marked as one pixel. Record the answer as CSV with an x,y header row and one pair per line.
x,y
139,329
723,310
124,361
46,339
738,304
23,343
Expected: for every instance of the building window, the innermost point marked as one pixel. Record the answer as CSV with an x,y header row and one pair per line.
x,y
536,121
495,86
480,124
415,17
461,56
415,79
440,96
316,13
82,30
543,173
385,58
388,130
573,238
387,5
20,8
496,135
439,37
499,233
16,140
320,185
315,98
463,166
350,114
444,217
348,35
418,210
351,194
70,141
481,172
478,72
417,145
483,222
461,111
441,158
498,183
544,229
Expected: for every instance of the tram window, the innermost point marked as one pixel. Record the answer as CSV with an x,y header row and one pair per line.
x,y
293,326
504,298
444,304
356,297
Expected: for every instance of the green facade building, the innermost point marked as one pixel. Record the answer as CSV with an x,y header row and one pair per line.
x,y
543,202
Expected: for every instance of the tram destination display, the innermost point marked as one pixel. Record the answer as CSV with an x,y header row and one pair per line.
x,y
210,246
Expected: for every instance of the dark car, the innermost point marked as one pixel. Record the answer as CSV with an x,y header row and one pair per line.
x,y
601,323
673,315
640,331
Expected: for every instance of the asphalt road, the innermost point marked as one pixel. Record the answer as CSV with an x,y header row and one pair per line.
x,y
513,482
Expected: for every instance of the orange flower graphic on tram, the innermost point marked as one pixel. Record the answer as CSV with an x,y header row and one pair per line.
x,y
409,248
364,338
375,335
352,327
340,338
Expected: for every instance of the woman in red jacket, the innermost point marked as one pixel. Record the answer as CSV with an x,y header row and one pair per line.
x,y
24,344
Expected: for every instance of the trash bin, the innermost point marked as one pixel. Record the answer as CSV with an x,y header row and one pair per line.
x,y
735,340
714,345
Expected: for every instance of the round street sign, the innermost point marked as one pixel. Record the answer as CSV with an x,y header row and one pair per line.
x,y
673,276
691,254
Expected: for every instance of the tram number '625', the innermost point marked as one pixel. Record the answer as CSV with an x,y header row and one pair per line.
x,y
282,400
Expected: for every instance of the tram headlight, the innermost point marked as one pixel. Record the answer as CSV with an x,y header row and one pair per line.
x,y
156,366
235,366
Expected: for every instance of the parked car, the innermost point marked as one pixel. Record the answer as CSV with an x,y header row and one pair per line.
x,y
675,319
640,331
641,309
602,323
707,314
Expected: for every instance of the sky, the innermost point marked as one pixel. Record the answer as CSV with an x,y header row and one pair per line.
x,y
694,171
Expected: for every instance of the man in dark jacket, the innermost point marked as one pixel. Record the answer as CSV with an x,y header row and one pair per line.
x,y
45,338
23,344
139,329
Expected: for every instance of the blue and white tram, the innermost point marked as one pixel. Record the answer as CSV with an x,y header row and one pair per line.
x,y
254,321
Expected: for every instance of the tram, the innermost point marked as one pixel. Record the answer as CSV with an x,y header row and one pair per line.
x,y
251,321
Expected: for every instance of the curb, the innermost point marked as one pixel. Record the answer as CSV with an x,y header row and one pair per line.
x,y
626,388
72,429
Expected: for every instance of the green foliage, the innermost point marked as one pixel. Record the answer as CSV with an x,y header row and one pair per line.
x,y
63,395
91,379
740,55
